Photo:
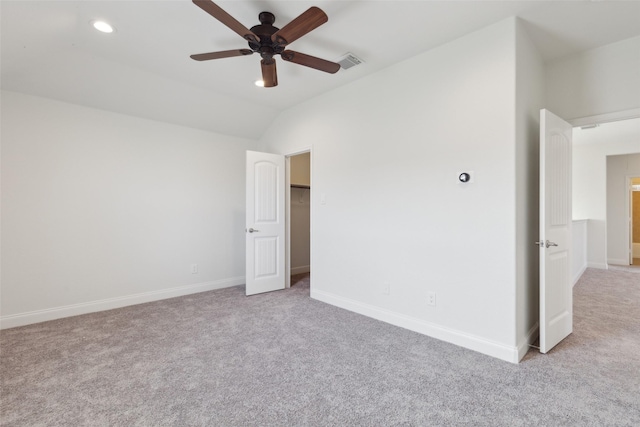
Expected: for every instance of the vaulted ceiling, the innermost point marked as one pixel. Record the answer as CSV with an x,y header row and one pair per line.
x,y
49,48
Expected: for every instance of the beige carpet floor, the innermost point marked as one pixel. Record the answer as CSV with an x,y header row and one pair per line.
x,y
281,359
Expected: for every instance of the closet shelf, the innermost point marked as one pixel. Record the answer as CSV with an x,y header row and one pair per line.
x,y
300,186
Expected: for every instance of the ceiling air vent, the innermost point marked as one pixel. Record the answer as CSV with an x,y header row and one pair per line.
x,y
349,60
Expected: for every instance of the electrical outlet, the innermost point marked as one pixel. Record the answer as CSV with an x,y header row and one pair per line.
x,y
431,298
386,288
194,268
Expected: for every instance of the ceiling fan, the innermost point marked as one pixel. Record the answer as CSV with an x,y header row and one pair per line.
x,y
269,41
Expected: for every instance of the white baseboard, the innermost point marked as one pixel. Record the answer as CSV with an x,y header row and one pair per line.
x,y
479,344
598,265
579,275
617,261
524,346
21,319
300,270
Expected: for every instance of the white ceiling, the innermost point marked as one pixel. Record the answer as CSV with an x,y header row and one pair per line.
x,y
48,48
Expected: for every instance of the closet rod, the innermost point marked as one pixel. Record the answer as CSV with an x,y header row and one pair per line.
x,y
301,186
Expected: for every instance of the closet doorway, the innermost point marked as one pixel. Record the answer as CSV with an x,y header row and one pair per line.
x,y
299,215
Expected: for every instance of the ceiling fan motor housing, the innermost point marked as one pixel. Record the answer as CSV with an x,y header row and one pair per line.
x,y
266,48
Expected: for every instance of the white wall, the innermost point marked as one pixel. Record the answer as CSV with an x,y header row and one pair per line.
x,y
387,152
598,81
101,210
619,170
590,190
529,101
589,198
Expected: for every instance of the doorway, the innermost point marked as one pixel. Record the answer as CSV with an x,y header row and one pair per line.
x,y
600,187
299,218
634,223
620,171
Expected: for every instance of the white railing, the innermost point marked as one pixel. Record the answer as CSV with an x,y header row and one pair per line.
x,y
579,254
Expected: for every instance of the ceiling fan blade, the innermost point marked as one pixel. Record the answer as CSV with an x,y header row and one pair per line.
x,y
310,61
269,76
303,24
221,54
217,12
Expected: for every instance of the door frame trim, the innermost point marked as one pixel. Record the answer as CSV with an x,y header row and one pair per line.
x,y
633,113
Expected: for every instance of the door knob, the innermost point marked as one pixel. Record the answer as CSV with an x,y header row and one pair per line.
x,y
546,243
253,230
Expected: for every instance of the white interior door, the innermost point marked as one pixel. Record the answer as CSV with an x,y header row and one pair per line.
x,y
556,299
265,223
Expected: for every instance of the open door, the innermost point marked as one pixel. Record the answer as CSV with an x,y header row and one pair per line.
x,y
265,223
556,298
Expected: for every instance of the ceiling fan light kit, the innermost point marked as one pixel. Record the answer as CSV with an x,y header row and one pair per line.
x,y
268,41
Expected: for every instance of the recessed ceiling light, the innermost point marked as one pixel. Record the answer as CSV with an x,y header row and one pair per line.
x,y
259,83
102,26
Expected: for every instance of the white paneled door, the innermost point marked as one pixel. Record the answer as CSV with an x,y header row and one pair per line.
x,y
265,223
556,299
